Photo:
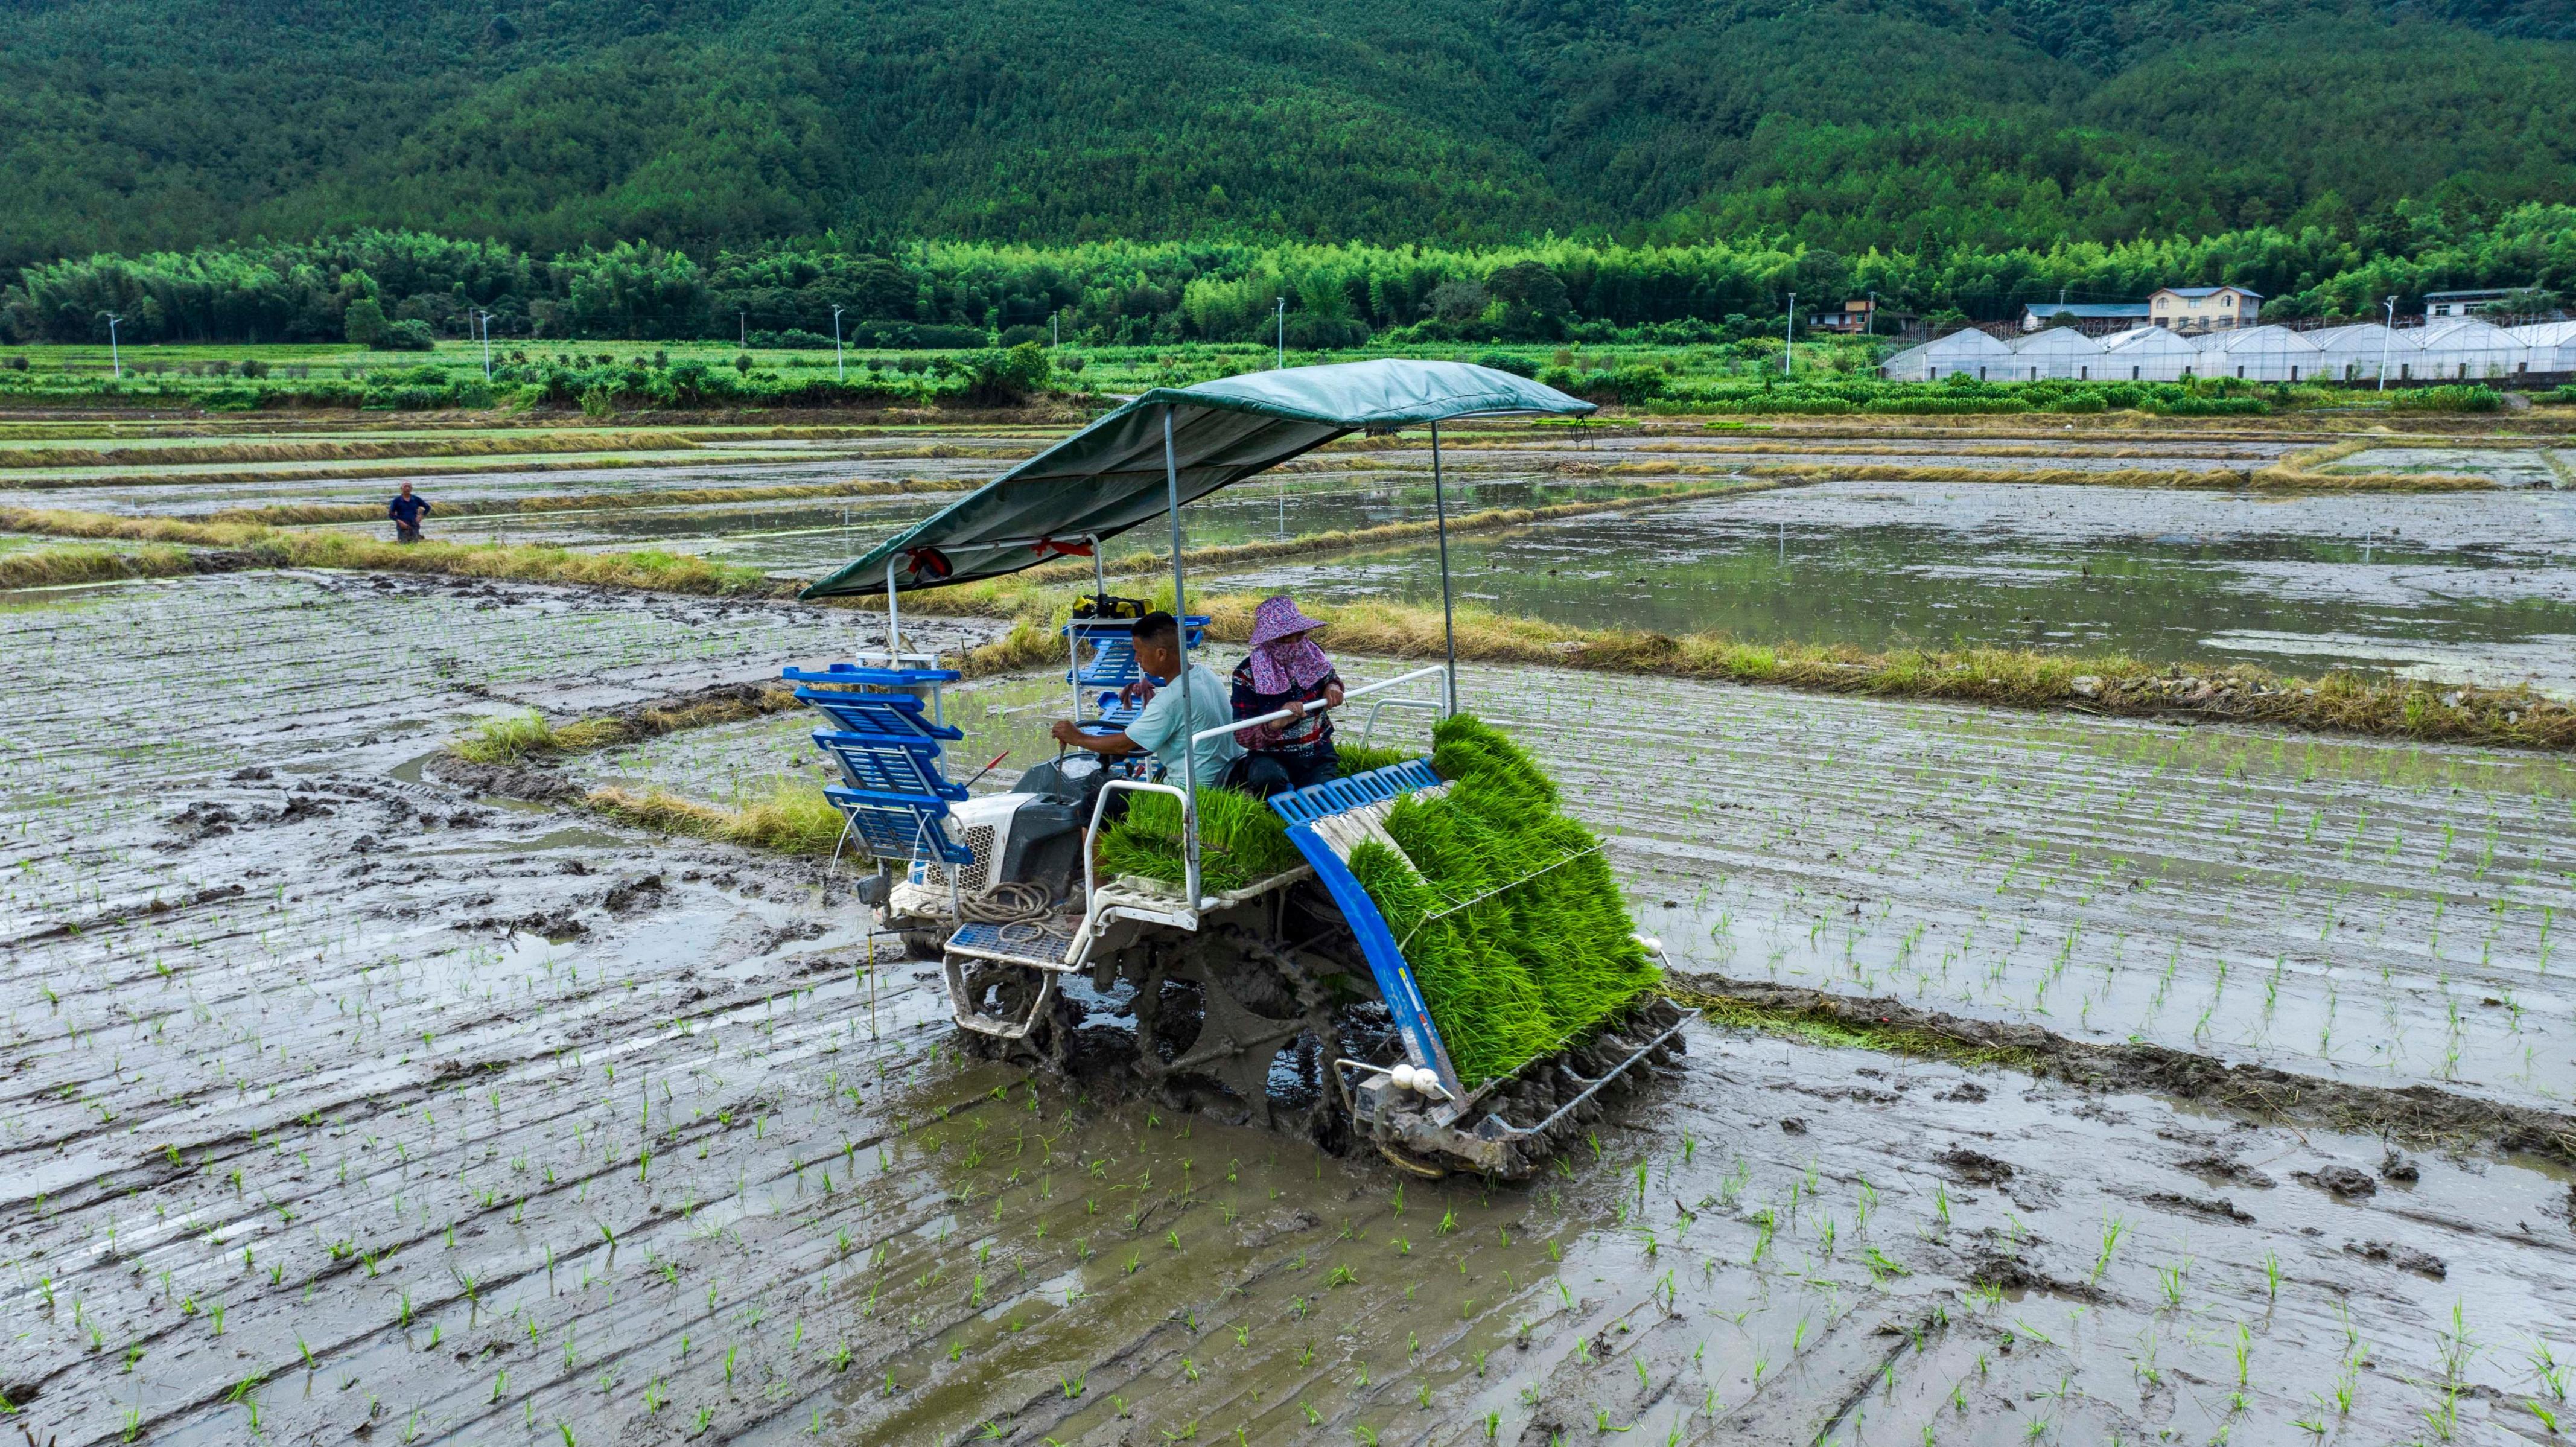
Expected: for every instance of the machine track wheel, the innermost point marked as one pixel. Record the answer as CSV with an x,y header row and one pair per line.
x,y
1048,1043
1253,999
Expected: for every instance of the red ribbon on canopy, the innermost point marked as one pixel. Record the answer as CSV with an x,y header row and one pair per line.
x,y
1050,548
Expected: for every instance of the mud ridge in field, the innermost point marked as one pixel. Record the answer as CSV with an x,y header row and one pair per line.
x,y
2422,1114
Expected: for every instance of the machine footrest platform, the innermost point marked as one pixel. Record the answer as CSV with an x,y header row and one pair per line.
x,y
1022,942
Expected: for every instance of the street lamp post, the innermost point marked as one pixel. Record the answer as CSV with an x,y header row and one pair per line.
x,y
115,358
1283,332
742,319
484,319
838,375
1789,334
2386,335
1869,324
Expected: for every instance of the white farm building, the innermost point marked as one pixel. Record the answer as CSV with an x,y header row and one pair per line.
x,y
2149,354
1969,353
2257,354
2464,349
2355,353
2552,344
2061,353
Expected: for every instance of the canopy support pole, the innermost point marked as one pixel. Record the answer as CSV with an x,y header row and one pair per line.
x,y
894,622
1181,640
1448,612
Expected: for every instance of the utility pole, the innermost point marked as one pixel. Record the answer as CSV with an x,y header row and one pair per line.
x,y
1869,324
2387,334
114,358
838,375
1789,335
484,318
743,320
1283,332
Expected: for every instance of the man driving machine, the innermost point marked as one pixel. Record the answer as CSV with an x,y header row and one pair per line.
x,y
1164,727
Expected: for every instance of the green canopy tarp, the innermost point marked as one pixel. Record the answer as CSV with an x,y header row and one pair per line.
x,y
1109,477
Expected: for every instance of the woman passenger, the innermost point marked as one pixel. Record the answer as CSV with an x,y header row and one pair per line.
x,y
1285,670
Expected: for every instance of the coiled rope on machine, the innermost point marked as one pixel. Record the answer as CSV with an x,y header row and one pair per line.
x,y
1006,904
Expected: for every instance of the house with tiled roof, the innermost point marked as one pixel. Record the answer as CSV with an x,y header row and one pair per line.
x,y
2204,308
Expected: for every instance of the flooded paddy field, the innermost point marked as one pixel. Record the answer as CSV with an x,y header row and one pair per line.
x,y
631,474
717,458
812,538
346,1105
2478,587
2382,913
2508,466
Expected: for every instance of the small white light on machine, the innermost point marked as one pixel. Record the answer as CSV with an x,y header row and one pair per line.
x,y
1404,1077
1652,945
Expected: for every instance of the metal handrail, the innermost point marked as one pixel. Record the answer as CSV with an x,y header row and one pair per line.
x,y
1277,715
1091,854
1368,727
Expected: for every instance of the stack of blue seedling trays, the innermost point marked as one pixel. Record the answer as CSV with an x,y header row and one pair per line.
x,y
886,739
1104,658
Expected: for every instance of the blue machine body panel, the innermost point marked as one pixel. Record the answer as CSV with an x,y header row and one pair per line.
x,y
1395,982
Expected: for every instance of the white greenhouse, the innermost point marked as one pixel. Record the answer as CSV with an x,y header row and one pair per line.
x,y
2355,353
2553,345
1969,352
2465,349
2060,353
2148,354
2257,354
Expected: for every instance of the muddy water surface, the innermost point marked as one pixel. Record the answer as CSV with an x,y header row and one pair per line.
x,y
2478,587
345,1106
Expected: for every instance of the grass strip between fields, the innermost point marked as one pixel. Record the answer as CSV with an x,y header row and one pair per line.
x,y
1034,603
520,737
451,465
306,514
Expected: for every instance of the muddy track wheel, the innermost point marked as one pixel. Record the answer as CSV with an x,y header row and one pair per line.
x,y
1253,1000
1328,1123
1049,1041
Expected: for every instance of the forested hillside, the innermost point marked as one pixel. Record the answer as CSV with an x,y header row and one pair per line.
x,y
1976,146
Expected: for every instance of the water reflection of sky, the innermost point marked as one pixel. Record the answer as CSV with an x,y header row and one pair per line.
x,y
2458,584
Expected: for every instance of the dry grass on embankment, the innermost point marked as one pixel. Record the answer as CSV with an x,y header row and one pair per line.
x,y
431,443
519,738
795,817
2293,473
254,546
345,449
65,566
307,514
2109,684
442,464
1033,603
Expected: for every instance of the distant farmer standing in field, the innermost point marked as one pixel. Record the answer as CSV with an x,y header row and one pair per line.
x,y
405,510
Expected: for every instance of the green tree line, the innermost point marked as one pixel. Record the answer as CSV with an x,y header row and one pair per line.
x,y
974,294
